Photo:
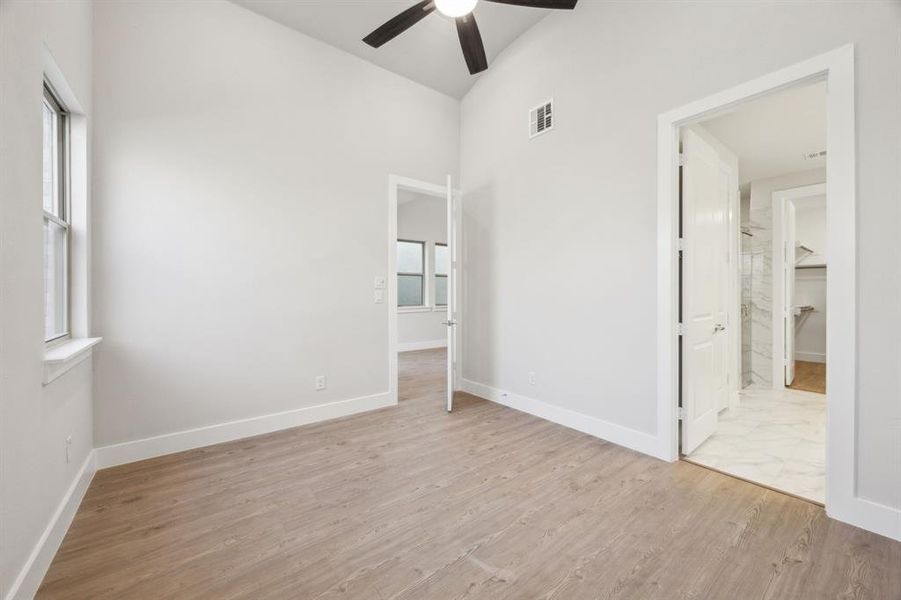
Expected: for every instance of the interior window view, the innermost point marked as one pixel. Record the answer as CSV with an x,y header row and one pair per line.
x,y
450,299
760,172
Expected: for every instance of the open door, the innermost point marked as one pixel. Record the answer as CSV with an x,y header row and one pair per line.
x,y
452,273
705,203
789,288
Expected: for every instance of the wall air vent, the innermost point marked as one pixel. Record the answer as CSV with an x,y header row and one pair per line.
x,y
541,119
814,155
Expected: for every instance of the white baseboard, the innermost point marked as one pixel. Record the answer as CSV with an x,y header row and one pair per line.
x,y
611,432
869,515
29,580
411,346
817,357
119,454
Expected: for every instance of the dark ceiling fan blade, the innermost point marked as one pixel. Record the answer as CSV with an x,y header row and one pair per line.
x,y
471,43
399,24
563,4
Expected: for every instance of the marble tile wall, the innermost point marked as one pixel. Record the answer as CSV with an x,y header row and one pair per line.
x,y
761,284
746,266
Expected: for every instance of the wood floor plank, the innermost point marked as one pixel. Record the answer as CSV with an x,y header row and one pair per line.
x,y
809,377
486,502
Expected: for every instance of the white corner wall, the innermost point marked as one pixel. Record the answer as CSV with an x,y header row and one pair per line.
x,y
560,232
241,216
38,487
422,218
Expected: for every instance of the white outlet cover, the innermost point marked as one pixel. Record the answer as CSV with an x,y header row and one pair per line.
x,y
379,296
380,283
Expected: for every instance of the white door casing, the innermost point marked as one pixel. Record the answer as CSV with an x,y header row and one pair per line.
x,y
785,242
705,202
451,322
788,305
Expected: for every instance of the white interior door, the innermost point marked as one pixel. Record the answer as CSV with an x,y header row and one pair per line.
x,y
452,273
789,289
706,193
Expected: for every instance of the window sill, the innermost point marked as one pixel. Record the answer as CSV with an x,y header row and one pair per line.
x,y
421,309
414,309
61,358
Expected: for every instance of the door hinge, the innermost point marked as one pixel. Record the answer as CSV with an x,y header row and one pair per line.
x,y
680,159
785,362
680,412
680,244
680,329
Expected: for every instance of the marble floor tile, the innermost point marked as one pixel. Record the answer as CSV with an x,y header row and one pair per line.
x,y
773,437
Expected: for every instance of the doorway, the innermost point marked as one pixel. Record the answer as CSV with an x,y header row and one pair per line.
x,y
691,403
747,260
422,285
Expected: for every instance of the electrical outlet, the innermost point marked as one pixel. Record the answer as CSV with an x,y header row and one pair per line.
x,y
68,447
531,377
320,383
379,296
380,283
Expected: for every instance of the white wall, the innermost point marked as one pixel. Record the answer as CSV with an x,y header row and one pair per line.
x,y
810,228
541,214
810,327
810,284
241,203
35,420
422,218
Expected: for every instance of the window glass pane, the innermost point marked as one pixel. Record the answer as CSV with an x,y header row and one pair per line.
x,y
409,290
51,160
440,291
409,257
54,280
441,260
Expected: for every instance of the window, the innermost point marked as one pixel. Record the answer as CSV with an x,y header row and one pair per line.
x,y
410,273
56,218
442,263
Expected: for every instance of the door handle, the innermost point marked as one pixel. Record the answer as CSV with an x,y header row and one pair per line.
x,y
719,327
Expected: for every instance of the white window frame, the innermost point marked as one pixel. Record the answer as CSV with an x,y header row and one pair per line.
x,y
422,277
436,275
63,208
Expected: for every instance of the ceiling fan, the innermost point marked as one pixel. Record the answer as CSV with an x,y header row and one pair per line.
x,y
467,29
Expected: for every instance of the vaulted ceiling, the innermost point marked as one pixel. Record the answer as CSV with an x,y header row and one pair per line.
x,y
428,53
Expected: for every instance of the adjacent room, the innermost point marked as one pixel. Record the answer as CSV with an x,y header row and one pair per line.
x,y
435,299
768,322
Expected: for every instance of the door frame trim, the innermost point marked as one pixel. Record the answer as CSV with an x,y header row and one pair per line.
x,y
395,184
778,291
837,68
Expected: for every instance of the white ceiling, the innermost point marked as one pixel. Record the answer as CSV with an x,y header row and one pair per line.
x,y
771,134
429,52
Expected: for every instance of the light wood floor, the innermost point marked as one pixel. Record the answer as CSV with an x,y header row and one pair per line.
x,y
414,503
809,377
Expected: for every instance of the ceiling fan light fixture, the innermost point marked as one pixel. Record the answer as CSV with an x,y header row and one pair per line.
x,y
455,8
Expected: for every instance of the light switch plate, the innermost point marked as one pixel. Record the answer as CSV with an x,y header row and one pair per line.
x,y
380,283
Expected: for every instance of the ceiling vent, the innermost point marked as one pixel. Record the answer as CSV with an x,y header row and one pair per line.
x,y
541,118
